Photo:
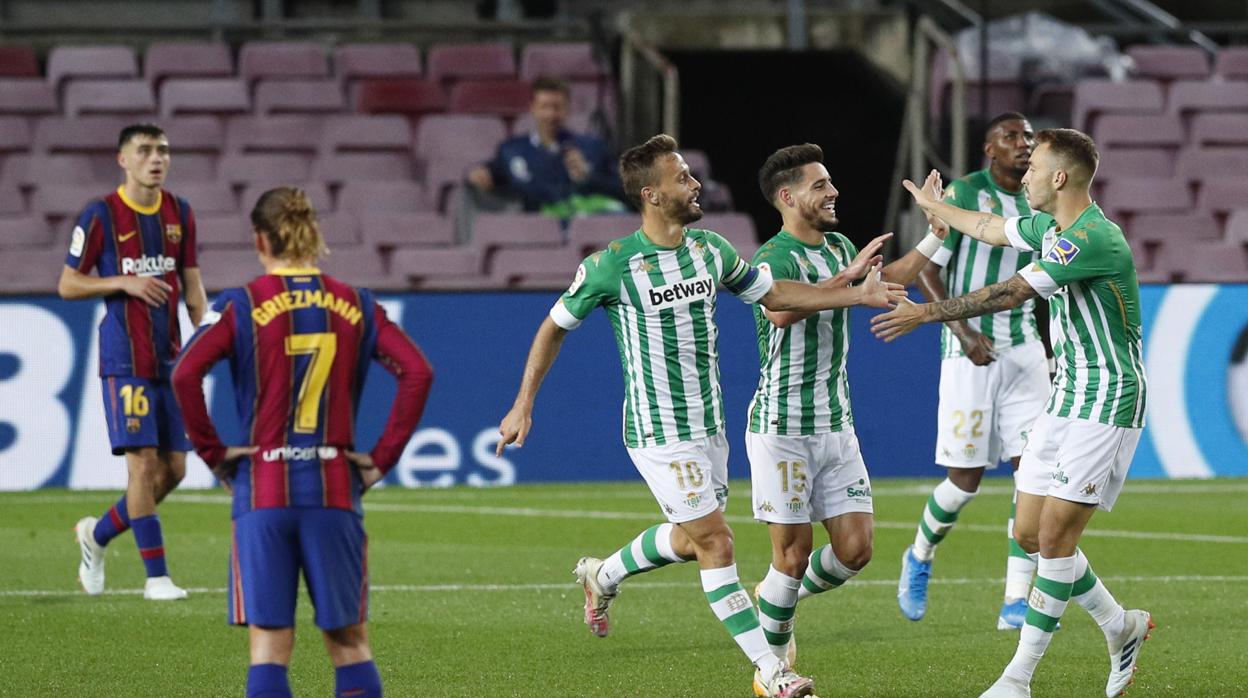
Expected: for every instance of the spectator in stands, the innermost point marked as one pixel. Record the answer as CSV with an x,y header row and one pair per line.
x,y
552,169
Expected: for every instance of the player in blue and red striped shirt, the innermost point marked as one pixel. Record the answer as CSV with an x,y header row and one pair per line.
x,y
299,344
140,240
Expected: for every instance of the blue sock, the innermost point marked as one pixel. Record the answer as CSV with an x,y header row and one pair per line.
x,y
267,681
113,523
357,681
151,544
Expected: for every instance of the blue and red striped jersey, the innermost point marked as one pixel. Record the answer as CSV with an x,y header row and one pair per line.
x,y
300,344
116,237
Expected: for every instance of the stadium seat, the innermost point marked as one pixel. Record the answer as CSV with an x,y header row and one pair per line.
x,y
298,97
1211,262
538,268
1220,129
220,97
26,232
477,61
209,198
362,196
1207,96
396,60
1223,194
198,134
411,97
591,233
736,228
223,230
1237,226
1174,228
88,134
12,203
282,60
1117,163
435,267
238,168
27,97
699,163
506,98
33,271
65,62
1142,130
339,229
1093,97
337,168
1170,62
577,123
586,98
273,134
229,267
408,229
566,60
130,97
15,135
1232,63
356,265
1209,163
496,230
25,170
1134,196
316,191
461,137
186,59
18,62
64,200
352,133
1053,102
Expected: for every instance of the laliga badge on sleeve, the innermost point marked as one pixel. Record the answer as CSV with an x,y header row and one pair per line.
x,y
78,241
577,280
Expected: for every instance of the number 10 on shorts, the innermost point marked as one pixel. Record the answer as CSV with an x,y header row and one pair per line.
x,y
688,474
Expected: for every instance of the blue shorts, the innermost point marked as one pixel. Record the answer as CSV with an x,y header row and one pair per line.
x,y
142,413
271,547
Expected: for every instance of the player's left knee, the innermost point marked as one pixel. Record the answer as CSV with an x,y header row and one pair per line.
x,y
858,556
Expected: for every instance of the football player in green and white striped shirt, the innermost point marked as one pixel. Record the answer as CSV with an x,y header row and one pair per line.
x,y
994,375
805,464
1080,448
659,289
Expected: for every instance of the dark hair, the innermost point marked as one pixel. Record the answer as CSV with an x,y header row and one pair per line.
x,y
1075,148
784,168
285,216
150,130
545,83
999,118
637,165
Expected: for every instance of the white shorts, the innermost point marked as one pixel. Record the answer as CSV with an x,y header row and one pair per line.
x,y
1076,460
689,479
802,479
984,410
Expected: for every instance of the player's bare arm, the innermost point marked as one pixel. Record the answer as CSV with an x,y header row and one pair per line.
x,y
194,295
975,345
516,424
868,257
795,295
989,299
986,227
74,285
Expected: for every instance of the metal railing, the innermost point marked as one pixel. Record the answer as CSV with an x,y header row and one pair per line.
x,y
649,90
916,148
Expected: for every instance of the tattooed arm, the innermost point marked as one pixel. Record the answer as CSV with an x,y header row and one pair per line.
x,y
989,299
987,227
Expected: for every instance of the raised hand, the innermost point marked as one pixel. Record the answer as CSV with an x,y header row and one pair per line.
x,y
149,289
878,293
868,257
922,197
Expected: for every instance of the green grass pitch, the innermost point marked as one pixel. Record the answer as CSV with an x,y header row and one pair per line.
x,y
473,596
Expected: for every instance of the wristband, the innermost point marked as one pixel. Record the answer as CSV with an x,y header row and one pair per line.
x,y
1052,362
929,245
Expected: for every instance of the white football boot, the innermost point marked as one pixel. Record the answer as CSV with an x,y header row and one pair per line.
x,y
1124,651
162,589
1006,687
597,600
91,568
786,683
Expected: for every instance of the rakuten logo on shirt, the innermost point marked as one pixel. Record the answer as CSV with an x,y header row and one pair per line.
x,y
681,292
148,266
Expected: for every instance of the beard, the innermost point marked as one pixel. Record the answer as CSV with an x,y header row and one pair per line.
x,y
681,211
820,219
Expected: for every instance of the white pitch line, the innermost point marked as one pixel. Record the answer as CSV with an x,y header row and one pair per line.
x,y
570,587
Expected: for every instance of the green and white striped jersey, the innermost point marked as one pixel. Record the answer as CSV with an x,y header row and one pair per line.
x,y
1088,275
971,265
661,303
803,388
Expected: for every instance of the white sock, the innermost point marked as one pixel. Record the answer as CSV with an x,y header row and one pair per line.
x,y
777,601
939,515
824,573
1054,579
1092,595
650,550
732,606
